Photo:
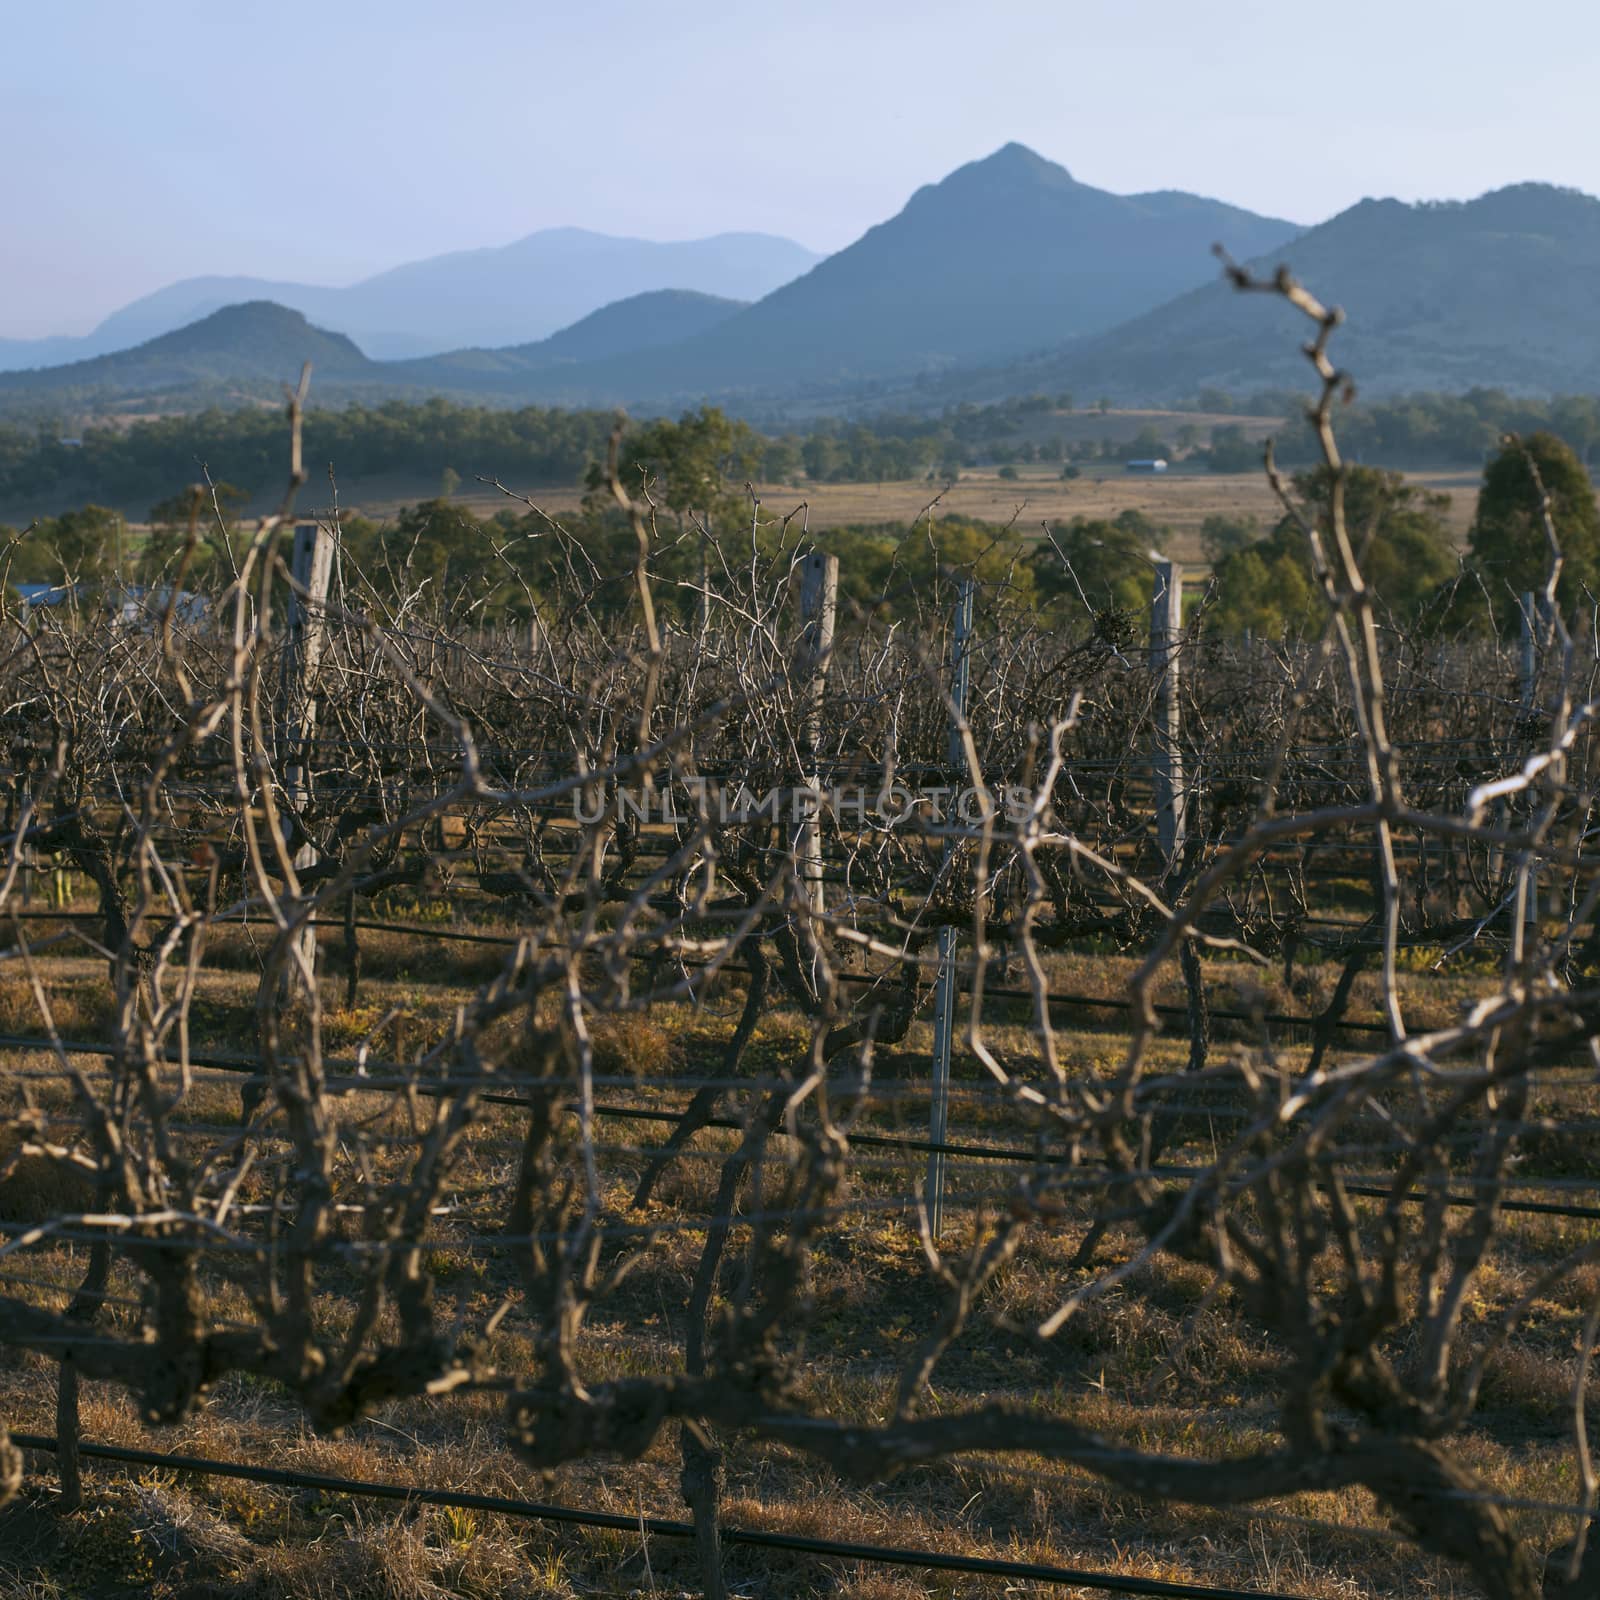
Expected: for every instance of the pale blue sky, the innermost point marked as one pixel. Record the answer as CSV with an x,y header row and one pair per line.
x,y
325,139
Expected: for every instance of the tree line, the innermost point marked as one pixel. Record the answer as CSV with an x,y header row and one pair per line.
x,y
1265,582
698,471
536,446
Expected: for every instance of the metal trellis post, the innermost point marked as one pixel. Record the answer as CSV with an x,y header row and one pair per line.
x,y
944,994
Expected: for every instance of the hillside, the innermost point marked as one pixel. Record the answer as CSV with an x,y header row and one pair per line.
x,y
239,347
505,295
1004,255
641,322
1502,291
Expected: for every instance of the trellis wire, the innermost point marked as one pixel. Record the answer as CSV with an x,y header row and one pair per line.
x,y
885,1555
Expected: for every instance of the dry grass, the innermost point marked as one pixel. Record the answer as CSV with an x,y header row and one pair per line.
x,y
1181,500
1148,1362
631,1046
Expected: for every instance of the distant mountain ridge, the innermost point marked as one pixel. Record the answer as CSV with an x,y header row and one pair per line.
x,y
1007,277
504,295
1500,291
641,322
1007,254
260,343
240,347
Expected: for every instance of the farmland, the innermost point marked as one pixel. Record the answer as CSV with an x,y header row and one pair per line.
x,y
1180,501
676,1082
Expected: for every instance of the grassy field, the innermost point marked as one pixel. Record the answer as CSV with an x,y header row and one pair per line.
x,y
1180,501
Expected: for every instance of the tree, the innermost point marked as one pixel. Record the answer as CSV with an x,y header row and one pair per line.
x,y
80,546
1231,451
1397,531
1264,589
435,542
696,466
1507,543
821,455
885,567
209,516
781,461
1576,418
1146,445
1221,535
1104,563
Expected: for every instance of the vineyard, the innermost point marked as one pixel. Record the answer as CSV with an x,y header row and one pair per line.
x,y
776,1096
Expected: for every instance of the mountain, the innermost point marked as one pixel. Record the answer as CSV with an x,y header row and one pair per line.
x,y
1502,291
507,295
1007,277
239,349
641,322
529,290
1005,255
254,348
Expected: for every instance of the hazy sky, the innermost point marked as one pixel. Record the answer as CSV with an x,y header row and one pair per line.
x,y
326,139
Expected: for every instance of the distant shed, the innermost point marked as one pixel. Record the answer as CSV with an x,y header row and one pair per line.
x,y
1155,465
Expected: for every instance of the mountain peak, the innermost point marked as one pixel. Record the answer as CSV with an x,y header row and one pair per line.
x,y
1006,254
252,342
1012,169
1017,157
254,314
1496,291
259,326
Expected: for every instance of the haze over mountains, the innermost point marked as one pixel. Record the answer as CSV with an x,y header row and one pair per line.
x,y
510,294
245,350
1006,277
660,317
1005,255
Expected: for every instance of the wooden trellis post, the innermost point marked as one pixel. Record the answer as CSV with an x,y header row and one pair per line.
x,y
1528,620
305,633
1530,624
949,979
819,598
1166,758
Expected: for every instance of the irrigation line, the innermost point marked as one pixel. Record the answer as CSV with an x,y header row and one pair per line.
x,y
984,1152
388,1077
660,1527
884,1141
1091,1174
857,979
